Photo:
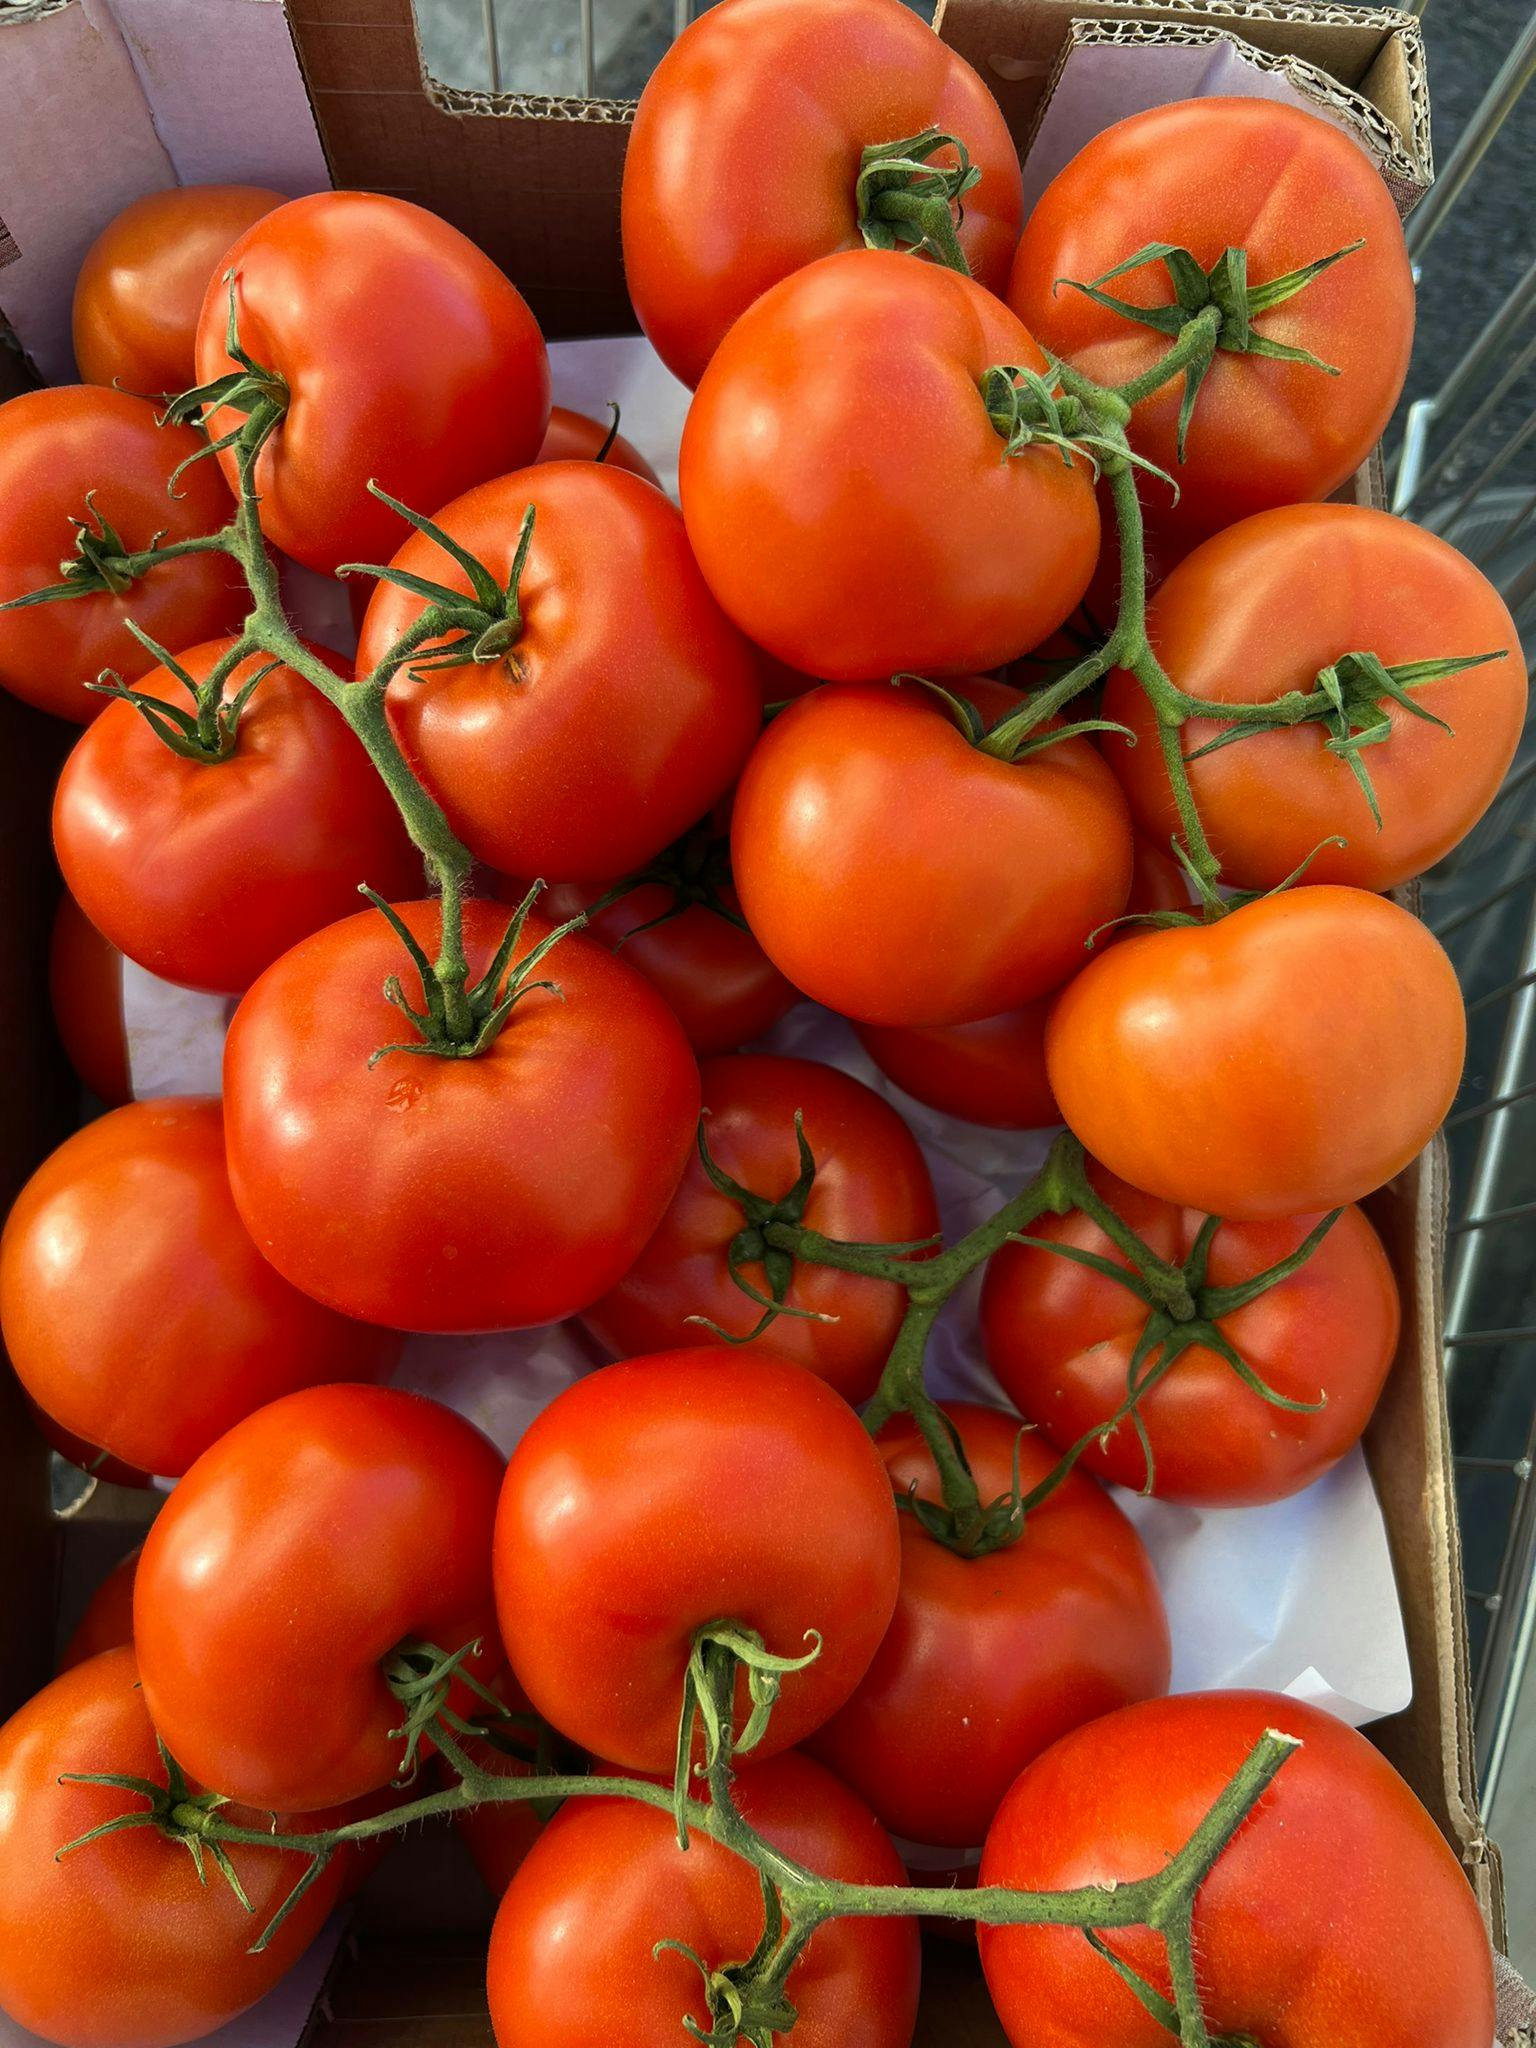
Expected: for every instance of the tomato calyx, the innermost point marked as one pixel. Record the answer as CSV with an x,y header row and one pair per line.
x,y
971,1530
1013,737
104,562
422,1677
210,731
695,870
483,626
747,2001
259,395
904,201
723,1652
172,1809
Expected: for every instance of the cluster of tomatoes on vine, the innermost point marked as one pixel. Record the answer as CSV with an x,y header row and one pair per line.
x,y
1004,684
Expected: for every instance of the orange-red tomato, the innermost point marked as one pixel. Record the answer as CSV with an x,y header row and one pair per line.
x,y
85,988
107,1622
573,437
1290,1057
1261,610
144,278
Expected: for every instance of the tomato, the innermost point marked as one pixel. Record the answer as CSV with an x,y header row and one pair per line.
x,y
85,989
573,437
55,447
311,1540
121,1943
847,494
1206,175
1288,1058
1280,1958
744,158
989,1659
136,1310
871,1185
624,704
142,284
574,1955
992,1071
205,871
428,1193
409,360
613,1546
839,819
1261,610
107,1622
1060,1338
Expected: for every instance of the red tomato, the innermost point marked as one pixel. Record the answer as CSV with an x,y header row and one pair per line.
x,y
1260,611
408,358
1060,1338
744,158
611,1550
141,286
121,1944
1278,1958
833,839
625,703
55,447
1291,1057
107,1623
85,988
989,1659
311,1540
573,437
205,871
491,1193
135,1308
871,1186
573,1954
1207,175
846,491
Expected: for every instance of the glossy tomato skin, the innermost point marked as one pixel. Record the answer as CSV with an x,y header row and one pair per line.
x,y
846,492
118,1945
300,1550
745,154
1060,1339
717,980
1291,1057
840,817
1263,607
988,1660
409,360
55,446
85,990
612,1550
573,1951
872,1186
574,437
144,278
623,710
491,1193
1206,175
137,1311
1278,1959
204,872
107,1623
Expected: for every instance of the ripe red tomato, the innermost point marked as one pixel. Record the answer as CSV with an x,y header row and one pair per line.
x,y
55,447
989,1659
85,990
1290,1057
573,1953
408,358
871,1185
625,704
833,837
205,871
612,1552
1259,611
491,1193
573,437
121,1944
311,1540
1060,1338
744,158
136,1310
142,284
1207,175
1277,1958
107,1623
847,493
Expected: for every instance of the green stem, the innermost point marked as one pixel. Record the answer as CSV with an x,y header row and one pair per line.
x,y
1195,345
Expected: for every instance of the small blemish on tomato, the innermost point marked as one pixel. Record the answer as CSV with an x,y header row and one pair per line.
x,y
404,1093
